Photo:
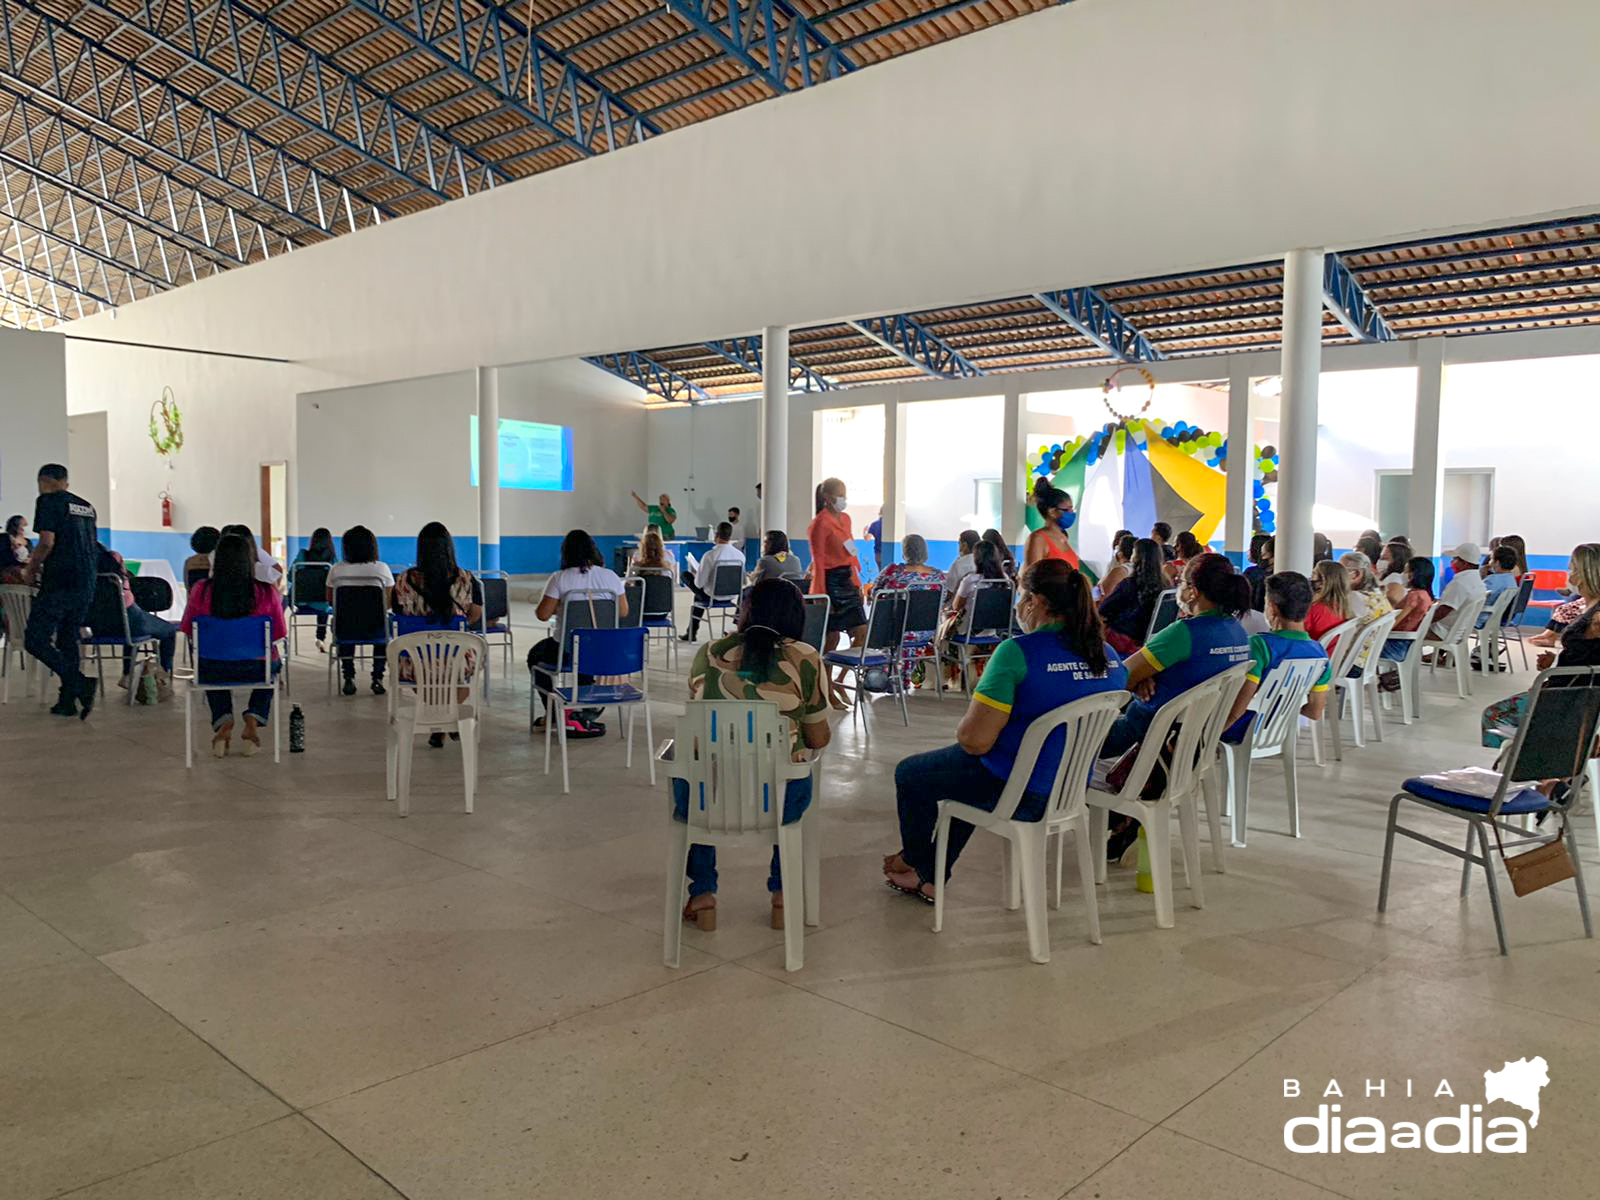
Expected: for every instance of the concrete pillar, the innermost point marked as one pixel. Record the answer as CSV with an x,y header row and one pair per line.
x,y
1427,462
774,426
1240,495
1013,475
488,385
1302,364
894,481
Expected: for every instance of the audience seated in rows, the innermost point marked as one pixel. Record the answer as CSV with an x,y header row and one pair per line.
x,y
912,570
1367,601
1288,602
1579,645
1330,605
966,546
1518,547
777,561
1008,560
1128,607
1370,543
361,565
1465,586
702,583
267,569
1061,657
763,660
233,590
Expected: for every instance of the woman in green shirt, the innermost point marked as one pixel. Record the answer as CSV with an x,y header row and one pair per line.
x,y
661,514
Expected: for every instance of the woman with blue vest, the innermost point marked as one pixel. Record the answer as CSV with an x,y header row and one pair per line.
x,y
1206,641
1063,657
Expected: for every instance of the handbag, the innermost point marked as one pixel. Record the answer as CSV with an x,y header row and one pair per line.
x,y
1539,868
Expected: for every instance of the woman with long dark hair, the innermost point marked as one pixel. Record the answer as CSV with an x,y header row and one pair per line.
x,y
1127,609
234,591
361,566
763,660
1050,540
1062,657
1008,560
318,550
267,569
436,588
777,561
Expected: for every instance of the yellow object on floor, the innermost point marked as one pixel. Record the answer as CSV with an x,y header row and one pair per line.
x,y
1142,880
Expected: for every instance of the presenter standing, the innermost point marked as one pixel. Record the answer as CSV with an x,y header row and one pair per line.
x,y
661,514
834,573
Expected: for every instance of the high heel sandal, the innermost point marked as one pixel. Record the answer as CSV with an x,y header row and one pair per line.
x,y
703,918
777,910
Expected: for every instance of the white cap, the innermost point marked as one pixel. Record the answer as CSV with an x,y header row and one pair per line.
x,y
1467,552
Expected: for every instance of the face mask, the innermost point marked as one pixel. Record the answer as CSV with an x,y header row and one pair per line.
x,y
840,503
1066,520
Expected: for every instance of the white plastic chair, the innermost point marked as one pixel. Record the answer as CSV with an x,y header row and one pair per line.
x,y
1085,724
1189,712
734,757
1340,643
439,663
1230,683
1362,688
1406,669
1454,643
234,635
16,600
1489,637
1273,732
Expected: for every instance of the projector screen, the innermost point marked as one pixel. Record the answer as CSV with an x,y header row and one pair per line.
x,y
534,457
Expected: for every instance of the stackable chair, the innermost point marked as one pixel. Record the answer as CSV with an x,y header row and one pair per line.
x,y
656,611
241,648
1511,626
880,649
817,609
1361,689
1407,669
495,627
924,603
308,591
633,593
1550,581
1164,613
1273,732
109,636
615,656
1083,724
1555,741
734,758
439,660
1208,769
1454,644
16,601
727,586
984,625
1189,713
1340,644
1492,633
358,618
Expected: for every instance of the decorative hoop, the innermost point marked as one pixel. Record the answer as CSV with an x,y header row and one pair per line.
x,y
167,435
1111,385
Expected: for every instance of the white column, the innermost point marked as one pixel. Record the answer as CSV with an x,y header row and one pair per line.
x,y
488,385
1427,463
1013,506
1302,364
1240,495
774,428
894,478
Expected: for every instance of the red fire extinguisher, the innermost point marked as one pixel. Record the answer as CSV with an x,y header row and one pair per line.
x,y
166,510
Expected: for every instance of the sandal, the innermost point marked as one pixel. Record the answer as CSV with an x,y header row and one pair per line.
x,y
704,917
777,910
220,739
915,892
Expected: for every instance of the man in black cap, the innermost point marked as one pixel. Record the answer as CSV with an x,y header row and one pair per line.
x,y
63,567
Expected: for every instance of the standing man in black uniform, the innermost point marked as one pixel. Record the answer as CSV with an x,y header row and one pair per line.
x,y
63,567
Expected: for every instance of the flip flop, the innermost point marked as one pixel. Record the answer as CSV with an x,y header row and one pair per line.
x,y
916,893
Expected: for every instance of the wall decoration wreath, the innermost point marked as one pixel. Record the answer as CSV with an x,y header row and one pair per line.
x,y
166,425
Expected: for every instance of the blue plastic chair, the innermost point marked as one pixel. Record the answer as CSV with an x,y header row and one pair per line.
x,y
241,648
614,655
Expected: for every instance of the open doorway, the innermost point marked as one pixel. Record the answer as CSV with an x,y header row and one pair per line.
x,y
275,509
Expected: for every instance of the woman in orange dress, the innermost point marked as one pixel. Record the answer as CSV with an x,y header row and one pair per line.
x,y
834,572
1055,506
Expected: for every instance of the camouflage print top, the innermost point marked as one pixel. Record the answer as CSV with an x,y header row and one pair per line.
x,y
794,680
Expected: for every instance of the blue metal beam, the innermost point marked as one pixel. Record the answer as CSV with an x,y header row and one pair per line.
x,y
771,39
915,343
645,372
1347,300
1097,319
495,55
746,352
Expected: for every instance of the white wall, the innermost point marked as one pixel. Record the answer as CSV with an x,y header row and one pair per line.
x,y
1320,125
949,445
33,397
705,459
89,463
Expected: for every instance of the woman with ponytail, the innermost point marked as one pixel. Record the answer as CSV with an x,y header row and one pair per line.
x,y
1063,657
834,573
1205,641
1050,541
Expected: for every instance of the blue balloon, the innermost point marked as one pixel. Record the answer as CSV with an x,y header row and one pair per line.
x,y
1260,488
1055,447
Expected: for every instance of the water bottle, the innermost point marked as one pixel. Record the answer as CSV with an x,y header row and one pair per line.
x,y
297,731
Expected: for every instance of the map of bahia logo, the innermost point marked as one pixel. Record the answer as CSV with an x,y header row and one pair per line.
x,y
1467,1131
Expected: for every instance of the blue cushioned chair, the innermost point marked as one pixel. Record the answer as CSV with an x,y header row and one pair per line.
x,y
229,653
880,649
985,623
611,658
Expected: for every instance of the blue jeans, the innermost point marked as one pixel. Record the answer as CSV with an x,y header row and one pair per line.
x,y
142,624
1128,730
1396,649
52,633
702,864
923,780
214,671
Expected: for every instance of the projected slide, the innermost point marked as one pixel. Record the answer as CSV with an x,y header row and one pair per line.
x,y
532,456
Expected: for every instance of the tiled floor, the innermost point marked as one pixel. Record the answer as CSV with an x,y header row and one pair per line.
x,y
254,980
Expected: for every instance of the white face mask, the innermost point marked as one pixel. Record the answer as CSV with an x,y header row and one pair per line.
x,y
840,503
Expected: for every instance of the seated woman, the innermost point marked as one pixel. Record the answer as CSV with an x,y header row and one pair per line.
x,y
141,625
1367,601
1330,599
1206,640
1414,604
1391,571
1580,645
1288,602
582,575
1063,657
361,565
1008,560
1262,548
966,543
1121,567
1188,547
15,549
653,555
318,550
777,561
203,542
1128,608
234,591
439,590
764,660
912,570
268,569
